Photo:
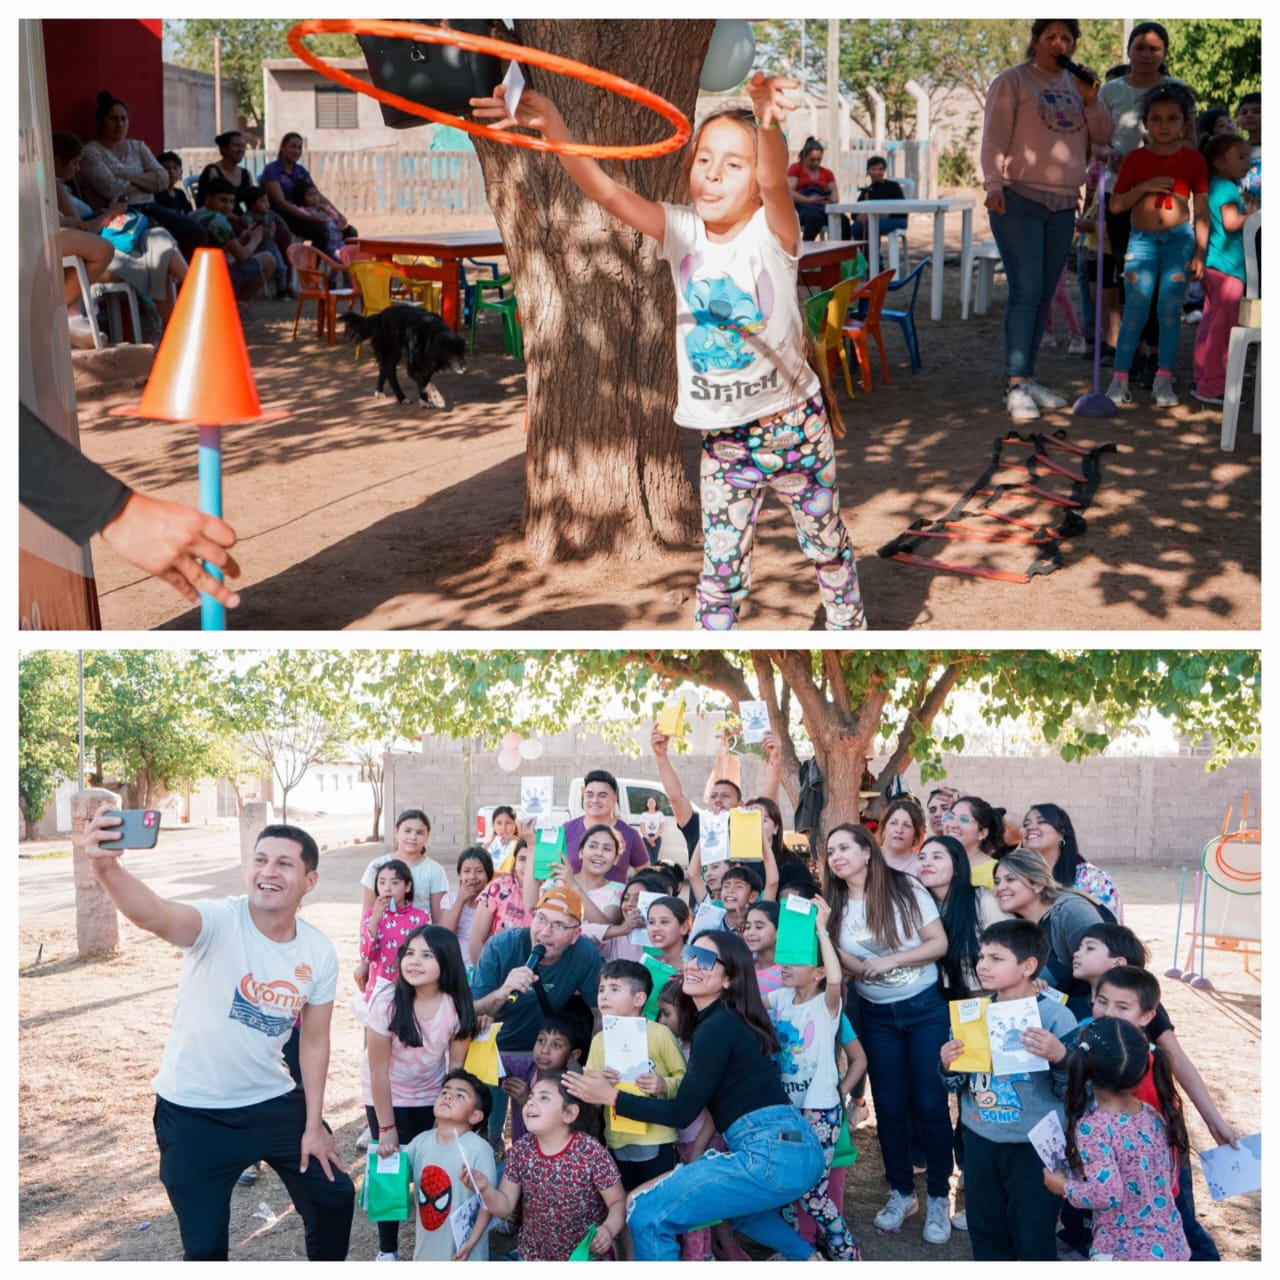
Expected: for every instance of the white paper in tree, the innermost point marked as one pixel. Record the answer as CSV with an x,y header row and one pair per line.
x,y
626,1045
1233,1173
514,80
1050,1142
640,936
755,720
708,916
1006,1021
714,830
535,800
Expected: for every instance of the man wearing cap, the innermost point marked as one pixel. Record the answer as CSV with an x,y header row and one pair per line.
x,y
569,966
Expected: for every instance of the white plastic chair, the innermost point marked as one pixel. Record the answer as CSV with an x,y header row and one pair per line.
x,y
112,292
72,263
1244,335
985,257
899,252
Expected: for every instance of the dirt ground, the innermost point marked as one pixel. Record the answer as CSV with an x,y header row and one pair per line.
x,y
357,514
91,1035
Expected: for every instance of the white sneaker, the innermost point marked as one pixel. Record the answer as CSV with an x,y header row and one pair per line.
x,y
1044,398
960,1221
1048,341
937,1221
1118,392
1192,317
387,1257
1018,401
81,332
1163,392
890,1218
364,1139
1077,346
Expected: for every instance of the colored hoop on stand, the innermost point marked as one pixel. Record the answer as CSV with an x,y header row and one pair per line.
x,y
1233,873
508,52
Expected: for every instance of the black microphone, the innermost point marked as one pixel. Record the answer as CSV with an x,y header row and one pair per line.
x,y
532,963
1076,69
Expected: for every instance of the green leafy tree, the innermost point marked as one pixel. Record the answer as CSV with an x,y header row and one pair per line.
x,y
1220,58
47,729
245,42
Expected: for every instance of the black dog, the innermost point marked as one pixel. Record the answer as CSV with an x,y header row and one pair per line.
x,y
420,338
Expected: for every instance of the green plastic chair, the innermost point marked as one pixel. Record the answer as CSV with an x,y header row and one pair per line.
x,y
508,308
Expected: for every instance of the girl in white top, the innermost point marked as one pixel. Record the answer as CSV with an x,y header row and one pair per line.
x,y
458,910
806,1014
746,380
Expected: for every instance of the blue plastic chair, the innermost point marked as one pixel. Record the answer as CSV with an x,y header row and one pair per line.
x,y
473,288
906,319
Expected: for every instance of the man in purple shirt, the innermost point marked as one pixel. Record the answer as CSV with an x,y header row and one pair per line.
x,y
599,805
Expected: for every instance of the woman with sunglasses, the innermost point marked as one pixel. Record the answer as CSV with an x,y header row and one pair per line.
x,y
889,938
773,1156
980,829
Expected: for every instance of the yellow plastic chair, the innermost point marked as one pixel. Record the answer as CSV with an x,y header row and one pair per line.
x,y
430,289
374,282
824,315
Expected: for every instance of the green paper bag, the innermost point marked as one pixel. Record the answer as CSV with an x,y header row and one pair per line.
x,y
387,1196
582,1250
548,849
662,974
797,932
845,1154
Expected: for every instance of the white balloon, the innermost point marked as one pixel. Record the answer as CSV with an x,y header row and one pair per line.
x,y
531,748
509,759
729,55
512,741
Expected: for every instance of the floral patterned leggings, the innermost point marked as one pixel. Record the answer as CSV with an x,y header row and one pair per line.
x,y
825,1123
793,454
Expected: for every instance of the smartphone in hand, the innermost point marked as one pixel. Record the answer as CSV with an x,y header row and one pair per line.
x,y
139,830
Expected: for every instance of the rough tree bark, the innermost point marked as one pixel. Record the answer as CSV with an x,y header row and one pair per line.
x,y
603,474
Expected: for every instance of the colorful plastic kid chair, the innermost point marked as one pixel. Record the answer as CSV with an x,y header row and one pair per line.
x,y
857,331
376,284
316,272
906,320
509,310
825,315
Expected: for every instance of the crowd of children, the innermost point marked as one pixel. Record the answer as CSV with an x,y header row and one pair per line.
x,y
664,1158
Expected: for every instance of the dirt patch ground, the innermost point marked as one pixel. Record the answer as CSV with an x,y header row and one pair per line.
x,y
91,1034
359,514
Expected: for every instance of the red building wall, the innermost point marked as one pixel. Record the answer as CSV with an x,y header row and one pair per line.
x,y
122,55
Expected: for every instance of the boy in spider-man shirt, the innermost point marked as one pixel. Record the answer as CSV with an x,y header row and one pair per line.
x,y
438,1157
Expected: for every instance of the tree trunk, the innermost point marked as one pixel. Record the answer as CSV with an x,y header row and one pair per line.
x,y
284,801
603,473
377,820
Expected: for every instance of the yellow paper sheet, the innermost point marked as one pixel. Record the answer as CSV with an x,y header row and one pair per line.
x,y
482,1056
746,835
621,1124
973,1034
671,721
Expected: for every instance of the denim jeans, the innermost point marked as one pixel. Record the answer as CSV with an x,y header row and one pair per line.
x,y
1154,259
773,1157
1034,241
902,1040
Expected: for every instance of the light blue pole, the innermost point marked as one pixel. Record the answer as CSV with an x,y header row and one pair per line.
x,y
213,615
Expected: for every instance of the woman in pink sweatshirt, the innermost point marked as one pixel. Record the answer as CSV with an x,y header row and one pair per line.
x,y
1041,122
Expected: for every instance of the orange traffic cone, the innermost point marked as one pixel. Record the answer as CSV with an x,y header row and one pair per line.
x,y
201,372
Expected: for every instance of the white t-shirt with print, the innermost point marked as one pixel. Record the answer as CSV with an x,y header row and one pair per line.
x,y
740,344
239,994
807,1058
428,878
894,984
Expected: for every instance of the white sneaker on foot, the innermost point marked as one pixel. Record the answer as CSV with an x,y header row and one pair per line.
x,y
899,1207
1048,340
1118,392
1018,401
960,1221
1163,393
387,1257
937,1221
1205,398
81,332
1077,346
364,1139
1043,397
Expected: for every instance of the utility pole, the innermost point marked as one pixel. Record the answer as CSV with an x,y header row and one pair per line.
x,y
833,86
217,84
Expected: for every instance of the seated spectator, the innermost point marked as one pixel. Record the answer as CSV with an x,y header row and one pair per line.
x,y
175,197
812,189
117,167
148,268
249,264
258,214
309,197
879,188
229,167
282,178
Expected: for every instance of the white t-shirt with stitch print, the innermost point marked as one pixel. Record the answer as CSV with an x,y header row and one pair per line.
x,y
239,994
740,340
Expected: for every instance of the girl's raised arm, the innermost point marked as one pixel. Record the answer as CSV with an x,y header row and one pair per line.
x,y
536,111
770,105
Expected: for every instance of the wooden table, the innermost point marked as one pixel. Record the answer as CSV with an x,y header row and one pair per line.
x,y
450,247
820,260
876,209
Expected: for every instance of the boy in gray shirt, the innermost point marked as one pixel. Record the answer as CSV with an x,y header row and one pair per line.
x,y
1011,1213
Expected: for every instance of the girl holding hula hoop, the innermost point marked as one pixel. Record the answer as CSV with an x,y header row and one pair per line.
x,y
747,379
773,1156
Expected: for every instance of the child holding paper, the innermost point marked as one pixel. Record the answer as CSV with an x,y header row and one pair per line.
x,y
740,886
501,905
1011,1214
668,923
438,1157
760,933
1120,1150
599,851
567,1181
806,1012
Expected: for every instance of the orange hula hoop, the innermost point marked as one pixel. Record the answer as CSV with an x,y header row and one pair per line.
x,y
508,52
